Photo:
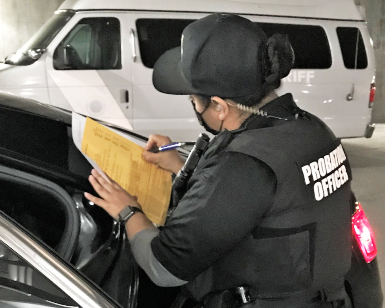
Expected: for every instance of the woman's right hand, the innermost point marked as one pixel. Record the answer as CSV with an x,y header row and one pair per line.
x,y
168,160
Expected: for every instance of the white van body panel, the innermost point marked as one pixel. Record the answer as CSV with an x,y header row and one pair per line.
x,y
126,96
329,9
95,93
28,81
318,90
325,94
172,115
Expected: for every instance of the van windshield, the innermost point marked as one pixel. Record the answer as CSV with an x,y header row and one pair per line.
x,y
37,44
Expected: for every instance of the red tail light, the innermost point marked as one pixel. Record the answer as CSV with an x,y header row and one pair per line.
x,y
372,94
364,234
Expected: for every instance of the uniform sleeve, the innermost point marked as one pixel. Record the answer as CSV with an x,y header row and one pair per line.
x,y
141,249
225,201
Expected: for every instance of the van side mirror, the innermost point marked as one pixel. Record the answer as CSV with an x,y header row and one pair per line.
x,y
65,57
60,58
35,54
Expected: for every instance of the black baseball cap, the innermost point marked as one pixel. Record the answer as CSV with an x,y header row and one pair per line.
x,y
220,54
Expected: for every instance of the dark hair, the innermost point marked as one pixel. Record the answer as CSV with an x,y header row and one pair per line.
x,y
277,59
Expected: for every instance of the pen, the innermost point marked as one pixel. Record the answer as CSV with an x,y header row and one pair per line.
x,y
167,147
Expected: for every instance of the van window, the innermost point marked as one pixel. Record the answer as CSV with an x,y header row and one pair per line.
x,y
156,36
94,43
352,47
310,43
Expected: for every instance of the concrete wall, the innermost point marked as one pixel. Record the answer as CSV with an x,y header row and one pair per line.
x,y
20,19
375,15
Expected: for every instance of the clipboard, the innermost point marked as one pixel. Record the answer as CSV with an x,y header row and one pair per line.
x,y
120,157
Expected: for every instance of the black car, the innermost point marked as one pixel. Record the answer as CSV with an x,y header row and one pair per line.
x,y
57,249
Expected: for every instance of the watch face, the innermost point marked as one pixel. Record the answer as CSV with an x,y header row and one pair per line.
x,y
125,214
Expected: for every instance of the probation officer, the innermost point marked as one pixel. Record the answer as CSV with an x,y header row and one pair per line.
x,y
267,208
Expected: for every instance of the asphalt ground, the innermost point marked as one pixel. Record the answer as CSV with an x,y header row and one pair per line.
x,y
367,159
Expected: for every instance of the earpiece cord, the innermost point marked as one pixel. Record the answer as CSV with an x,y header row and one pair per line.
x,y
256,111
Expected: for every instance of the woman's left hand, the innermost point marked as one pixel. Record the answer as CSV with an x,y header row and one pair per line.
x,y
113,197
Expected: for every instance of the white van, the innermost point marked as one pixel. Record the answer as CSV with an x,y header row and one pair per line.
x,y
96,57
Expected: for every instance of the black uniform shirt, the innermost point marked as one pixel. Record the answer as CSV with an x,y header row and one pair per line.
x,y
227,196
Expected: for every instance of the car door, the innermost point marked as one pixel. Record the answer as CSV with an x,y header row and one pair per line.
x,y
33,275
87,70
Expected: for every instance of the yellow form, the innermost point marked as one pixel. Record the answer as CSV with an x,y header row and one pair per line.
x,y
121,159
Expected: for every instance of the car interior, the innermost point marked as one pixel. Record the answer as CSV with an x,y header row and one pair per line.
x,y
42,207
20,284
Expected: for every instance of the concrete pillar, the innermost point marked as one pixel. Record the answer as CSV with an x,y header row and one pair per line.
x,y
20,19
375,16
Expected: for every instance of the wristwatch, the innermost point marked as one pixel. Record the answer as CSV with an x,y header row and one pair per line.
x,y
127,213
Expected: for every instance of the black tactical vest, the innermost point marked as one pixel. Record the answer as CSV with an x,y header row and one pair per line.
x,y
303,242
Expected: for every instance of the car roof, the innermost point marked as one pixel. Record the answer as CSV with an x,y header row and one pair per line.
x,y
26,105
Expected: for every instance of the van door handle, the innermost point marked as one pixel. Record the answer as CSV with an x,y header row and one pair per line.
x,y
125,97
350,95
133,45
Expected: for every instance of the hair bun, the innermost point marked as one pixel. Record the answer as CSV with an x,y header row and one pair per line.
x,y
280,55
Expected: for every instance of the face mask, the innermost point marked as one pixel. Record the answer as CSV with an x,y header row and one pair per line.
x,y
203,123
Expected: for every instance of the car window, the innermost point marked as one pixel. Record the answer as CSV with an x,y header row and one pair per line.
x,y
352,47
311,48
21,284
94,43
